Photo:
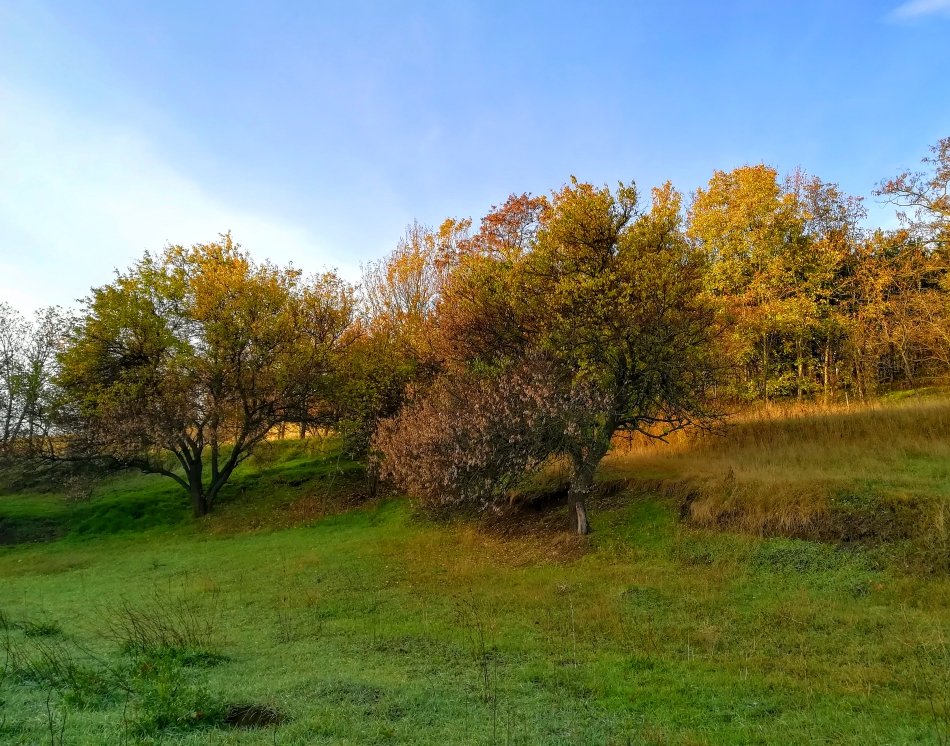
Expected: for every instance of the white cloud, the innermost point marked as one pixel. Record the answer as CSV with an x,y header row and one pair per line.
x,y
79,198
917,8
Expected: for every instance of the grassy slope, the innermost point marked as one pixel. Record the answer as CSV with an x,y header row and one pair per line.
x,y
373,626
875,473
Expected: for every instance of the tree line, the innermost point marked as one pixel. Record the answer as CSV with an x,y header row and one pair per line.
x,y
473,355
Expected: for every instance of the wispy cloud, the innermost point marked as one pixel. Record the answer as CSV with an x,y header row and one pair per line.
x,y
918,8
80,197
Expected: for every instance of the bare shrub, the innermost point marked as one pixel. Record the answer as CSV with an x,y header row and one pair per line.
x,y
167,624
55,665
166,697
476,623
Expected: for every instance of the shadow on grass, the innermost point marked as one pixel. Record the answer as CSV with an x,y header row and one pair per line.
x,y
154,505
290,475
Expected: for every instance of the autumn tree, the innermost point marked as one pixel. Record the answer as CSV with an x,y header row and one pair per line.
x,y
743,222
776,251
573,317
400,291
923,197
183,364
923,202
817,262
27,365
394,341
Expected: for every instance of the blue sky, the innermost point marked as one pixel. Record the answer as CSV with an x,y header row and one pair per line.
x,y
317,131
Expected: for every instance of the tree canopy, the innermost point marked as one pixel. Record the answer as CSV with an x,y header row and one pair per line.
x,y
199,351
588,318
28,351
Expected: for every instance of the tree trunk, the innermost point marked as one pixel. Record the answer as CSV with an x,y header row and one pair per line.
x,y
372,479
199,499
199,502
577,513
577,495
800,369
826,384
907,368
859,373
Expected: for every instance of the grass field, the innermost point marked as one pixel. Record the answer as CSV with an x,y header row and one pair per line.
x,y
693,614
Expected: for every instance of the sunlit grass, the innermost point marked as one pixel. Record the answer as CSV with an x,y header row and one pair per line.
x,y
800,472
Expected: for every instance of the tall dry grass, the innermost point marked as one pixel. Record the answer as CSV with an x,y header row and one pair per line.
x,y
878,471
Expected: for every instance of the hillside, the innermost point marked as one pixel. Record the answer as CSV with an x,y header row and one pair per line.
x,y
785,582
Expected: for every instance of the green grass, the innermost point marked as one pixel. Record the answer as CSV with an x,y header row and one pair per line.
x,y
373,625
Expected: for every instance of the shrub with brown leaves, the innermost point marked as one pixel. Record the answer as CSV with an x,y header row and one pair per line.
x,y
470,438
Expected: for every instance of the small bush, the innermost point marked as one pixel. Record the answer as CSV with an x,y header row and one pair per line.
x,y
167,625
167,699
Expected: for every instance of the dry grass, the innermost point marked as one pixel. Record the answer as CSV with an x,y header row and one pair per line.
x,y
874,472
